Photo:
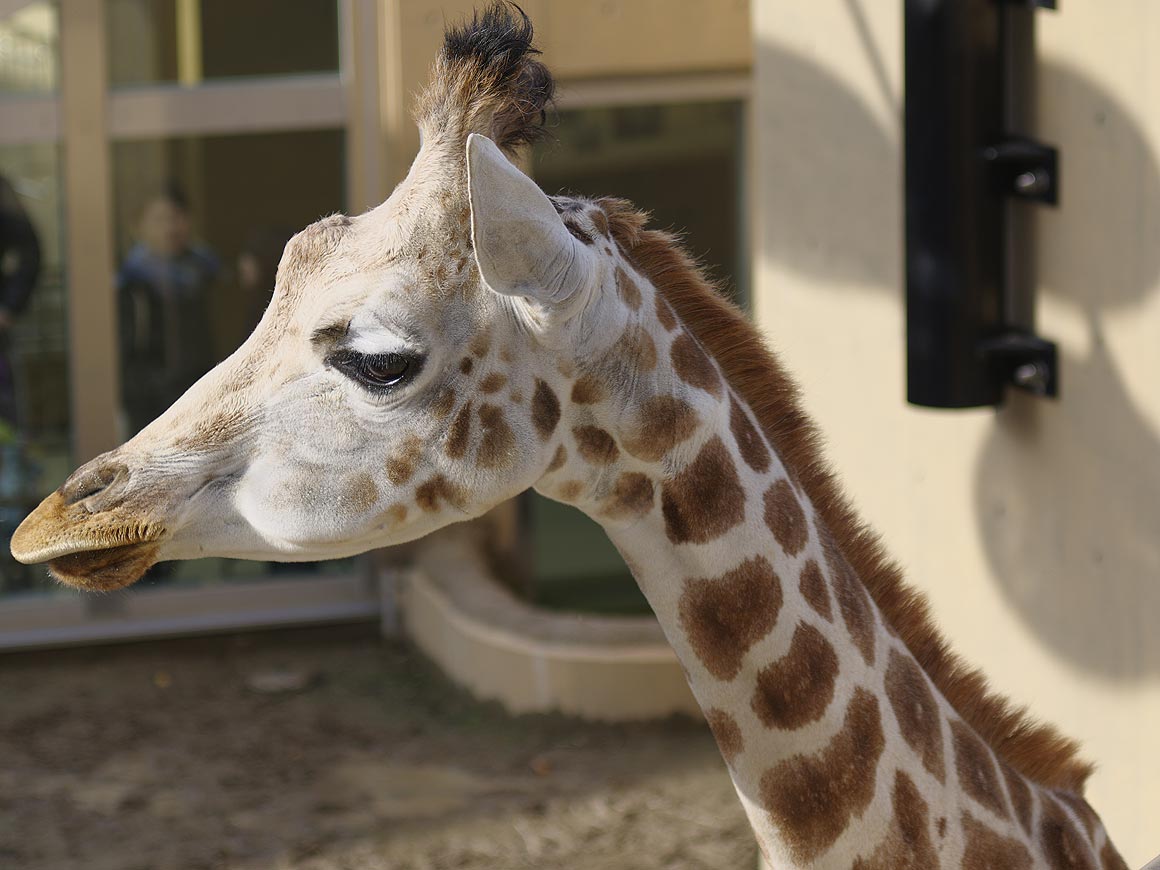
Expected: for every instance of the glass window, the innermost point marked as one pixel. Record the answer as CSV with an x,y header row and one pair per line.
x,y
200,225
682,163
190,41
34,393
28,48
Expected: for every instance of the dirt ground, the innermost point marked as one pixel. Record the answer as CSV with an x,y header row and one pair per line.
x,y
175,754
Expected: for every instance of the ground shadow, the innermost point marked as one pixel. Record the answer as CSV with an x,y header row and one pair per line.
x,y
1067,493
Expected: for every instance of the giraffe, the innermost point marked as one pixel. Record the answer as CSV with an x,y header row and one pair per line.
x,y
472,337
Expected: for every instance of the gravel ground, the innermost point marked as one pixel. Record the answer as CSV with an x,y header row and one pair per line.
x,y
330,748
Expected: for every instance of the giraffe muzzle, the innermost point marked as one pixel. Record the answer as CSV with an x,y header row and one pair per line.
x,y
91,531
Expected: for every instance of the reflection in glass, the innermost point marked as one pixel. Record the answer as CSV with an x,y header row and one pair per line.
x,y
34,409
28,48
682,163
200,225
190,41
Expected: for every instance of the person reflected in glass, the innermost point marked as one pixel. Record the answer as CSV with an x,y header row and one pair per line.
x,y
164,285
19,271
20,263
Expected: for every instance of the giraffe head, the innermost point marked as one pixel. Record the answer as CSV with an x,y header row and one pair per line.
x,y
405,376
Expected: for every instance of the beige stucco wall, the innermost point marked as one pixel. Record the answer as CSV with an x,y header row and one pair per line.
x,y
1036,529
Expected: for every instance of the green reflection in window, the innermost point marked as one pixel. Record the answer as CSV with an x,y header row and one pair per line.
x,y
189,41
28,48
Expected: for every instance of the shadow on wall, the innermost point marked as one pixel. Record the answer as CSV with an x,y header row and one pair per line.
x,y
1067,493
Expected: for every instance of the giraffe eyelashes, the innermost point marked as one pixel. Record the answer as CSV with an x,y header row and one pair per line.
x,y
376,372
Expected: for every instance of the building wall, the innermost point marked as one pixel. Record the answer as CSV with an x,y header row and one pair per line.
x,y
1034,529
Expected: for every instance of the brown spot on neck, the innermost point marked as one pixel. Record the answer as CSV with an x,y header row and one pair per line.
x,y
664,312
1020,794
466,365
813,588
545,410
750,444
635,352
917,711
595,445
662,424
785,518
811,798
1063,845
493,383
497,446
705,499
724,616
976,767
627,289
797,688
632,496
853,602
589,390
988,850
726,732
692,366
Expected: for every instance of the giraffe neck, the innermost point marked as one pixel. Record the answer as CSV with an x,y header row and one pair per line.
x,y
842,750
842,747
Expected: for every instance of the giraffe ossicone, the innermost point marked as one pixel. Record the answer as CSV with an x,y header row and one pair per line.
x,y
470,338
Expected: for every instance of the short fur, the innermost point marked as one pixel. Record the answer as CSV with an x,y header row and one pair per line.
x,y
487,80
1036,750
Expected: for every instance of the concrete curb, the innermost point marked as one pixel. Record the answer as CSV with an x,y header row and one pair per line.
x,y
530,660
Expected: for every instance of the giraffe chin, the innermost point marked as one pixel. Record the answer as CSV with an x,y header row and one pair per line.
x,y
104,570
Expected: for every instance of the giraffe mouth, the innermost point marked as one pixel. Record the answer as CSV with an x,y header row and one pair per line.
x,y
90,551
106,569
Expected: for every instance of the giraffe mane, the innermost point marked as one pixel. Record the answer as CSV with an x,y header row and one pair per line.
x,y
1035,749
486,80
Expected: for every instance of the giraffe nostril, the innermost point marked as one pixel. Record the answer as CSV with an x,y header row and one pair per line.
x,y
91,480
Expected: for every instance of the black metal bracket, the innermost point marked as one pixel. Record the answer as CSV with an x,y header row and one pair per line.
x,y
971,173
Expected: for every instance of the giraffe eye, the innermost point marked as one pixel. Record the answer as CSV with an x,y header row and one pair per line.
x,y
375,371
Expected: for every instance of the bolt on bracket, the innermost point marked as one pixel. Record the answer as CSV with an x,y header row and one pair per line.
x,y
1025,169
1023,360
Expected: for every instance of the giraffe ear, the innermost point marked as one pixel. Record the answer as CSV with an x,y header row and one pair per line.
x,y
521,245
